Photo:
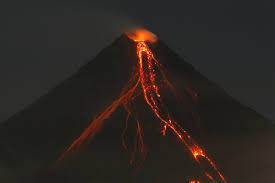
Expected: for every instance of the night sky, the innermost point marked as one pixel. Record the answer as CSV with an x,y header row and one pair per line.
x,y
230,42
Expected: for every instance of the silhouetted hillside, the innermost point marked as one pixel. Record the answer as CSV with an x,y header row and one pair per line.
x,y
30,141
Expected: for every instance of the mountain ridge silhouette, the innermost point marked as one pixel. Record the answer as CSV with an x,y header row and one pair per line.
x,y
42,131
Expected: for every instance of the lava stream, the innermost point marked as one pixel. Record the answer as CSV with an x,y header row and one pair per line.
x,y
194,181
150,75
153,99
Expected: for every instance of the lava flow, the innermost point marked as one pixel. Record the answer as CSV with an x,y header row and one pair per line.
x,y
194,181
150,77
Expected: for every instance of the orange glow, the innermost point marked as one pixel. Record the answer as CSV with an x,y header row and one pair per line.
x,y
89,133
151,78
148,75
194,181
141,35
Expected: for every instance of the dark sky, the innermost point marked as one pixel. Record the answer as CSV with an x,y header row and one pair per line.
x,y
230,42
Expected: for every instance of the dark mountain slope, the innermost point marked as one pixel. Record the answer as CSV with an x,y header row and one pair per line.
x,y
33,139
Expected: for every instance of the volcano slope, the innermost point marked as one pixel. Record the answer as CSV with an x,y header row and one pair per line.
x,y
239,140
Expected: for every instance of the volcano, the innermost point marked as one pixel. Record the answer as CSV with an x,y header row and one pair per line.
x,y
235,136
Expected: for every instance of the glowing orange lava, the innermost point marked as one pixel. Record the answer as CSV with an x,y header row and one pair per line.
x,y
194,181
150,77
141,35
